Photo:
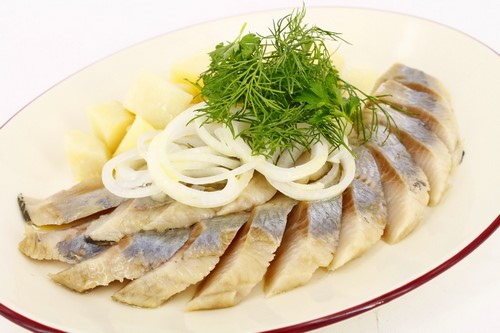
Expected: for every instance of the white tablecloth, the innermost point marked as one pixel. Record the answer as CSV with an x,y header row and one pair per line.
x,y
44,41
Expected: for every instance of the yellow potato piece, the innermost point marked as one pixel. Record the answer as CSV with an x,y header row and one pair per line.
x,y
86,154
129,141
155,99
109,122
188,70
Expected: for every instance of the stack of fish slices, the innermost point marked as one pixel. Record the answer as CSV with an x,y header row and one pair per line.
x,y
162,247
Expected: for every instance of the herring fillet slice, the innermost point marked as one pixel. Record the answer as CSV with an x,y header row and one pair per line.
x,y
129,259
67,245
404,183
257,192
309,242
433,111
84,199
198,256
245,262
414,79
128,218
178,215
428,151
364,211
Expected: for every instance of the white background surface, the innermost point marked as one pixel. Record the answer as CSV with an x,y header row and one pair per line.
x,y
42,42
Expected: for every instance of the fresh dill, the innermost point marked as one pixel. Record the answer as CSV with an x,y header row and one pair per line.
x,y
285,87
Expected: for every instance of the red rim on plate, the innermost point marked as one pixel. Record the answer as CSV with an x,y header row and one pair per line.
x,y
322,321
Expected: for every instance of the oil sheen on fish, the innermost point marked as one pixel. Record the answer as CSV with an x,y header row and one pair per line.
x,y
84,199
129,217
309,242
246,260
433,111
405,185
428,151
364,211
199,255
129,259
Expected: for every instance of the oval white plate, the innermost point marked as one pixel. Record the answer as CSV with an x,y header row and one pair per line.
x,y
33,162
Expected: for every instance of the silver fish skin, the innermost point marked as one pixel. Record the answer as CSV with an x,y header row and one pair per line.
x,y
428,151
433,111
198,256
404,183
364,211
63,243
414,79
128,218
131,258
84,199
310,239
245,262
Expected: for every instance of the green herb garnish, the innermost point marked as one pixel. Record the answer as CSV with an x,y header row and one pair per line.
x,y
286,88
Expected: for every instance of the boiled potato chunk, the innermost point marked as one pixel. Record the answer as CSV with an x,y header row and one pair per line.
x,y
86,154
109,122
155,99
188,70
129,141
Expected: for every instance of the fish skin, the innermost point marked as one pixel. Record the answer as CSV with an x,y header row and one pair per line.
x,y
41,244
414,79
83,199
309,241
404,183
433,111
364,211
131,258
198,256
428,151
245,262
128,218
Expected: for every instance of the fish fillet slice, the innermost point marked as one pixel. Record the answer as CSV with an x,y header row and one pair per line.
x,y
432,110
128,218
428,151
129,259
405,186
414,79
257,192
179,215
309,242
245,262
199,255
82,200
63,244
364,211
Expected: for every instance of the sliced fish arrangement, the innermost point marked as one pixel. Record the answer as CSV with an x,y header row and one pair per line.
x,y
160,247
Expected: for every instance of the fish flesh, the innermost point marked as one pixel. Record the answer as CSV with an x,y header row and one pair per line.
x,y
309,242
433,111
257,192
198,256
128,218
129,259
178,215
364,211
414,79
84,199
404,183
428,151
41,244
246,260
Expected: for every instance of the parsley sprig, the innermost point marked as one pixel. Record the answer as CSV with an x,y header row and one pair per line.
x,y
286,88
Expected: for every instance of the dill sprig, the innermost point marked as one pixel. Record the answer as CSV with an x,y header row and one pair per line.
x,y
285,87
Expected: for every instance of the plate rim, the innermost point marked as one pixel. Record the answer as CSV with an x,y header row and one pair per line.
x,y
36,326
